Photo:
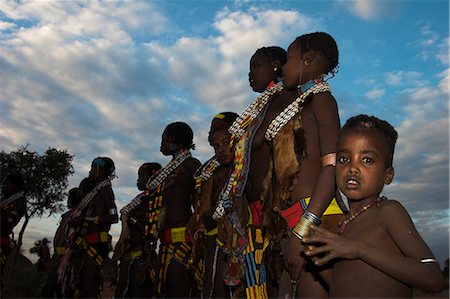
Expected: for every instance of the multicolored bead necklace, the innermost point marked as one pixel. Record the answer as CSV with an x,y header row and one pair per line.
x,y
159,177
352,217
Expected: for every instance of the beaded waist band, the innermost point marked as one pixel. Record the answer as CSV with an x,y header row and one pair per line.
x,y
97,237
293,213
175,235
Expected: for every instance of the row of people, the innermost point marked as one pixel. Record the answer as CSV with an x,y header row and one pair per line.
x,y
266,201
268,196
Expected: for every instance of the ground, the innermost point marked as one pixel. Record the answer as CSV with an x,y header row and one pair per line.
x,y
23,281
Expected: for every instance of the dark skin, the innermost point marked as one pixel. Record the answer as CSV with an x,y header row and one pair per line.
x,y
177,205
220,141
52,286
321,127
100,206
139,285
378,255
262,71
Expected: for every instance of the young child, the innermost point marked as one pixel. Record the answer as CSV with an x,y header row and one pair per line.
x,y
170,210
378,252
133,279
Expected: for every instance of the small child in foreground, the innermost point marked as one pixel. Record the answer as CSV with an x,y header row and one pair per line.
x,y
377,251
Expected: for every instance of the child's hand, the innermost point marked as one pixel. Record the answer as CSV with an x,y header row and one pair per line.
x,y
333,246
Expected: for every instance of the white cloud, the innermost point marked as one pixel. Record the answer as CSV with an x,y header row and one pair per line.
x,y
371,10
399,77
375,94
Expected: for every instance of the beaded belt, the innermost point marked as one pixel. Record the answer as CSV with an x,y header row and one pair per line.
x,y
97,237
293,213
60,250
175,235
131,255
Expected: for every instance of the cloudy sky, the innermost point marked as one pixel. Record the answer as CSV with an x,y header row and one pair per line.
x,y
105,78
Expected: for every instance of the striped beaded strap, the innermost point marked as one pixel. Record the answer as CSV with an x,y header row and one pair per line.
x,y
132,204
159,177
206,171
253,110
290,111
87,199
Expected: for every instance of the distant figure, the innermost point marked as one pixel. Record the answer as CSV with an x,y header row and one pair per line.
x,y
52,287
377,252
89,240
134,279
44,256
13,206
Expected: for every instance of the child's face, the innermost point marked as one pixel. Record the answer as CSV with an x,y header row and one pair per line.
x,y
361,168
220,141
261,72
291,69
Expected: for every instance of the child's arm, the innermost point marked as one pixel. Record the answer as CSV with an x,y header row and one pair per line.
x,y
325,112
407,268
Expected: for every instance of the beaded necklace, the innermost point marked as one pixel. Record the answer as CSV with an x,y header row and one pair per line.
x,y
253,110
205,172
159,177
87,199
293,108
343,224
132,204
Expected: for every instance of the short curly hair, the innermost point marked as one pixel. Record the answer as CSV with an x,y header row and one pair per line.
x,y
363,121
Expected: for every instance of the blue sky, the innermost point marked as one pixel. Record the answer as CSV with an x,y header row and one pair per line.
x,y
105,78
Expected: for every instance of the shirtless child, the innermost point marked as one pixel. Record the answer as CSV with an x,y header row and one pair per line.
x,y
378,252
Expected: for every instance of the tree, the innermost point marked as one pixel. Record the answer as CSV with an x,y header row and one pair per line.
x,y
45,178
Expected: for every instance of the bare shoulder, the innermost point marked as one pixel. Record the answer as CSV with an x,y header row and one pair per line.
x,y
192,164
391,207
394,214
323,100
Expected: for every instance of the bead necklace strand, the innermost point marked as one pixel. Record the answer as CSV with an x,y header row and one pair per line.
x,y
352,217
